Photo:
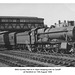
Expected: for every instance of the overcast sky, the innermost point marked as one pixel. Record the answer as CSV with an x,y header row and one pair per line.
x,y
50,12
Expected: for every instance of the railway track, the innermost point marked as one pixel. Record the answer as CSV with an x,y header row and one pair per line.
x,y
46,58
64,56
63,60
15,60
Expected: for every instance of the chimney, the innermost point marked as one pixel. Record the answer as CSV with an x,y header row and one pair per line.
x,y
59,22
55,24
65,23
68,23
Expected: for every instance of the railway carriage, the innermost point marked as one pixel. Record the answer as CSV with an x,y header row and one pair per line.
x,y
4,40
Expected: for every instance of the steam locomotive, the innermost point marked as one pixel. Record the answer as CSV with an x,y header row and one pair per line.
x,y
45,39
54,40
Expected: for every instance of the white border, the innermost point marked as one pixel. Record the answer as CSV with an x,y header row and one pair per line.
x,y
11,71
37,1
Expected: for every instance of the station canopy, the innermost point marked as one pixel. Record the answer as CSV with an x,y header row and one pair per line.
x,y
20,23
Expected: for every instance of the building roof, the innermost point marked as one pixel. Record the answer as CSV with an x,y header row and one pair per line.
x,y
25,17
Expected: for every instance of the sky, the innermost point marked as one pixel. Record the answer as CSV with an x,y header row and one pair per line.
x,y
50,12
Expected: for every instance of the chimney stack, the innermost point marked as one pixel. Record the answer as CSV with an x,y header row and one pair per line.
x,y
59,22
68,23
65,23
55,24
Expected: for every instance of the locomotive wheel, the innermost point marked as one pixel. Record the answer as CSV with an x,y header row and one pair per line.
x,y
62,51
55,50
39,50
50,51
46,50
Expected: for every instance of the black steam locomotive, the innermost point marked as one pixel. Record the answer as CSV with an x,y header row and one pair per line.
x,y
54,40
